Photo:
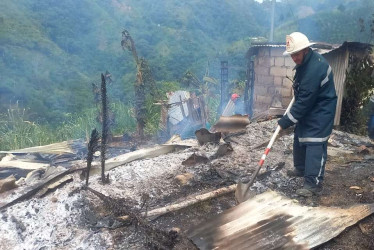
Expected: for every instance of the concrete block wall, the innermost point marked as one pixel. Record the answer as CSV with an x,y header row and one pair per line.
x,y
271,69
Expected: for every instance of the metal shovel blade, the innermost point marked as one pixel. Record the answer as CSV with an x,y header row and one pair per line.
x,y
242,192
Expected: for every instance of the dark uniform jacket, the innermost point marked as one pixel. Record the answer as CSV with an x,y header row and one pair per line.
x,y
315,101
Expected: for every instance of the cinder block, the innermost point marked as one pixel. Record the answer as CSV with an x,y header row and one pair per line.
x,y
286,101
263,99
278,90
259,108
278,71
286,92
288,62
261,70
278,80
271,91
264,80
260,90
290,73
264,51
287,83
279,61
264,61
278,51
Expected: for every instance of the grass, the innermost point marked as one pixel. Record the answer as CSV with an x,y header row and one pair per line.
x,y
16,131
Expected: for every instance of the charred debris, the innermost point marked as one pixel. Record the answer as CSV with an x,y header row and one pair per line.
x,y
212,165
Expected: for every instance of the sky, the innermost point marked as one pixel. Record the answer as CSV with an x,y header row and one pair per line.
x,y
260,1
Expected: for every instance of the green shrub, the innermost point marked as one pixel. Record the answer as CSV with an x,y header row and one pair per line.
x,y
124,118
359,85
16,131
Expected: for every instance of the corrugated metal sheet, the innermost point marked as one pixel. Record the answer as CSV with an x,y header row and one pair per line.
x,y
177,102
229,109
321,48
271,221
338,60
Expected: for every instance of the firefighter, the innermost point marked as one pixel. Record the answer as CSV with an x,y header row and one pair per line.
x,y
313,113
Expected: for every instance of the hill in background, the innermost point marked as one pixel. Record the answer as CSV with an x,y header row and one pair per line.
x,y
52,51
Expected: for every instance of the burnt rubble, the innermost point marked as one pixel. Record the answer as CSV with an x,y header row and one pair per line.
x,y
73,217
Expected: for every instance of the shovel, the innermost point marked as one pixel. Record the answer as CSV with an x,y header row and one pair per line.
x,y
242,192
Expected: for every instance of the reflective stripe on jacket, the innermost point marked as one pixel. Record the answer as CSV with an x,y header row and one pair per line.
x,y
315,100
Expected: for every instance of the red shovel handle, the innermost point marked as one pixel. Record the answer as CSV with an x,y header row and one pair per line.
x,y
267,150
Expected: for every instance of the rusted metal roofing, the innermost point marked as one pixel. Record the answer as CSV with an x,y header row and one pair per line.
x,y
271,221
320,47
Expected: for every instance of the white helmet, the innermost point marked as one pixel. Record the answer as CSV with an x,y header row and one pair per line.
x,y
295,42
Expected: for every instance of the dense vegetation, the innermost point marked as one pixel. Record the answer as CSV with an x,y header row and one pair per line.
x,y
355,106
52,51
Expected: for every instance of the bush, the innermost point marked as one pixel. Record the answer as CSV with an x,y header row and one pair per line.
x,y
358,88
17,131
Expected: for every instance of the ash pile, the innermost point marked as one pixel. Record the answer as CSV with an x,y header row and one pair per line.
x,y
157,194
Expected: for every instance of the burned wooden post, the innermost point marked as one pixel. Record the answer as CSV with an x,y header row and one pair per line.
x,y
105,127
181,106
203,111
249,87
224,85
92,147
96,90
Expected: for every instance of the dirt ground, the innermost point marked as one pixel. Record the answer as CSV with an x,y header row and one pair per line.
x,y
85,221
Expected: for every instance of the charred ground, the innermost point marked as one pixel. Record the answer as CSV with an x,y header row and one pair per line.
x,y
91,221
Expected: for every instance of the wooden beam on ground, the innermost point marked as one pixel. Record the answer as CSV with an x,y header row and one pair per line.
x,y
186,202
65,147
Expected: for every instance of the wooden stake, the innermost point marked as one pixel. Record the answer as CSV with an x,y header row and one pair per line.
x,y
186,203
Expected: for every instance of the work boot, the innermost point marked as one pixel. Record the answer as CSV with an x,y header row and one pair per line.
x,y
295,173
308,191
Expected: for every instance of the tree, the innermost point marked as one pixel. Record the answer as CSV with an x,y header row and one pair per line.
x,y
144,86
127,43
358,89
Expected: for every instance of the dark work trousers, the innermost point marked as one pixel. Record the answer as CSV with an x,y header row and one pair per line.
x,y
310,159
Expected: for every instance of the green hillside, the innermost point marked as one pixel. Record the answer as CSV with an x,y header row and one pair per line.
x,y
334,21
52,51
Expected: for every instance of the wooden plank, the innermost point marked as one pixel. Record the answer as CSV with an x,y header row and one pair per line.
x,y
22,164
65,147
187,201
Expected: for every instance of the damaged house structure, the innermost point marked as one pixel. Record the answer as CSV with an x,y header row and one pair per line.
x,y
270,74
183,113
